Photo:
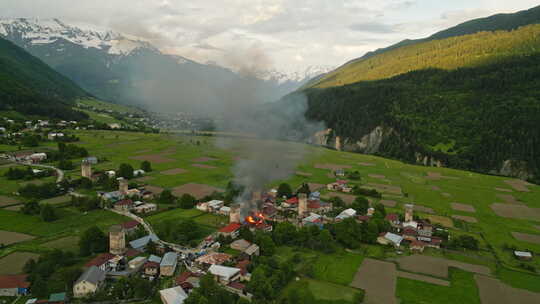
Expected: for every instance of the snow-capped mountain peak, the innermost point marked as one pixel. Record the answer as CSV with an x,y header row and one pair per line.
x,y
46,31
295,76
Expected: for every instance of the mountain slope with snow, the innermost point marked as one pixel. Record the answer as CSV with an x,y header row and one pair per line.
x,y
118,68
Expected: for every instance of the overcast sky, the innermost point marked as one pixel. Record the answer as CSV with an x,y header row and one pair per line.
x,y
293,34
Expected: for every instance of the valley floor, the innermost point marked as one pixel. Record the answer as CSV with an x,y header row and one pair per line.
x,y
501,212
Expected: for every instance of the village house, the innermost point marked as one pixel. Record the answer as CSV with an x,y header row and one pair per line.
x,y
231,230
115,125
346,214
104,261
168,264
435,242
224,210
315,195
91,160
130,226
251,251
141,243
243,265
339,172
151,268
409,234
54,135
112,196
215,205
318,206
14,285
417,246
143,208
339,185
313,220
393,218
137,263
37,157
223,274
188,280
523,255
425,229
203,206
124,205
386,238
175,295
214,258
89,282
240,245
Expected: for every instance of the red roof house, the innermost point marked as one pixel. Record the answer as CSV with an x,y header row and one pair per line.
x,y
243,266
292,201
14,281
183,277
417,245
314,204
237,286
392,217
230,229
130,225
363,218
100,260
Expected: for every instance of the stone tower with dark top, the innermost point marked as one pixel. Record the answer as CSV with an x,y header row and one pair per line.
x,y
117,240
86,169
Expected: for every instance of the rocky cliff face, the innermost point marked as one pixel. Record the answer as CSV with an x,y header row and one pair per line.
x,y
371,144
515,168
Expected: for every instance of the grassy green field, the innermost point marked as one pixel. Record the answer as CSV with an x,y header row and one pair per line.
x,y
337,268
325,292
330,273
462,289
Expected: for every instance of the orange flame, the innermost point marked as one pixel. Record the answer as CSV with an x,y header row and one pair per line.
x,y
256,218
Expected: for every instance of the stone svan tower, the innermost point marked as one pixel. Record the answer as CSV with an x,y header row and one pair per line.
x,y
117,240
409,212
86,169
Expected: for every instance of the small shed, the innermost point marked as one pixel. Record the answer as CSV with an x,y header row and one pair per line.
x,y
523,255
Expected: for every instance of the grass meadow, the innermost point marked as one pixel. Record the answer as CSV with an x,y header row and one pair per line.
x,y
434,188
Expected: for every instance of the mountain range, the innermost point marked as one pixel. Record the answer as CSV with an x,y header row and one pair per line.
x,y
466,97
123,69
27,85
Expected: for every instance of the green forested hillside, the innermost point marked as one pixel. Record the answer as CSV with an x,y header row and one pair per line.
x,y
449,53
29,86
471,118
497,22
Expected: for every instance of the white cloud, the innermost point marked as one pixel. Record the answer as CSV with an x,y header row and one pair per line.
x,y
292,33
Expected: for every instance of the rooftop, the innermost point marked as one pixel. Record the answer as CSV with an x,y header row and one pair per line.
x,y
130,224
142,242
92,275
100,260
14,281
223,271
169,259
394,238
214,258
523,254
175,295
232,227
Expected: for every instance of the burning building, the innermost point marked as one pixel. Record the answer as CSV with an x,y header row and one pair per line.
x,y
250,212
257,221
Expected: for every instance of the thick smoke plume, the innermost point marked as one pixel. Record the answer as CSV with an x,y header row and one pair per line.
x,y
273,155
